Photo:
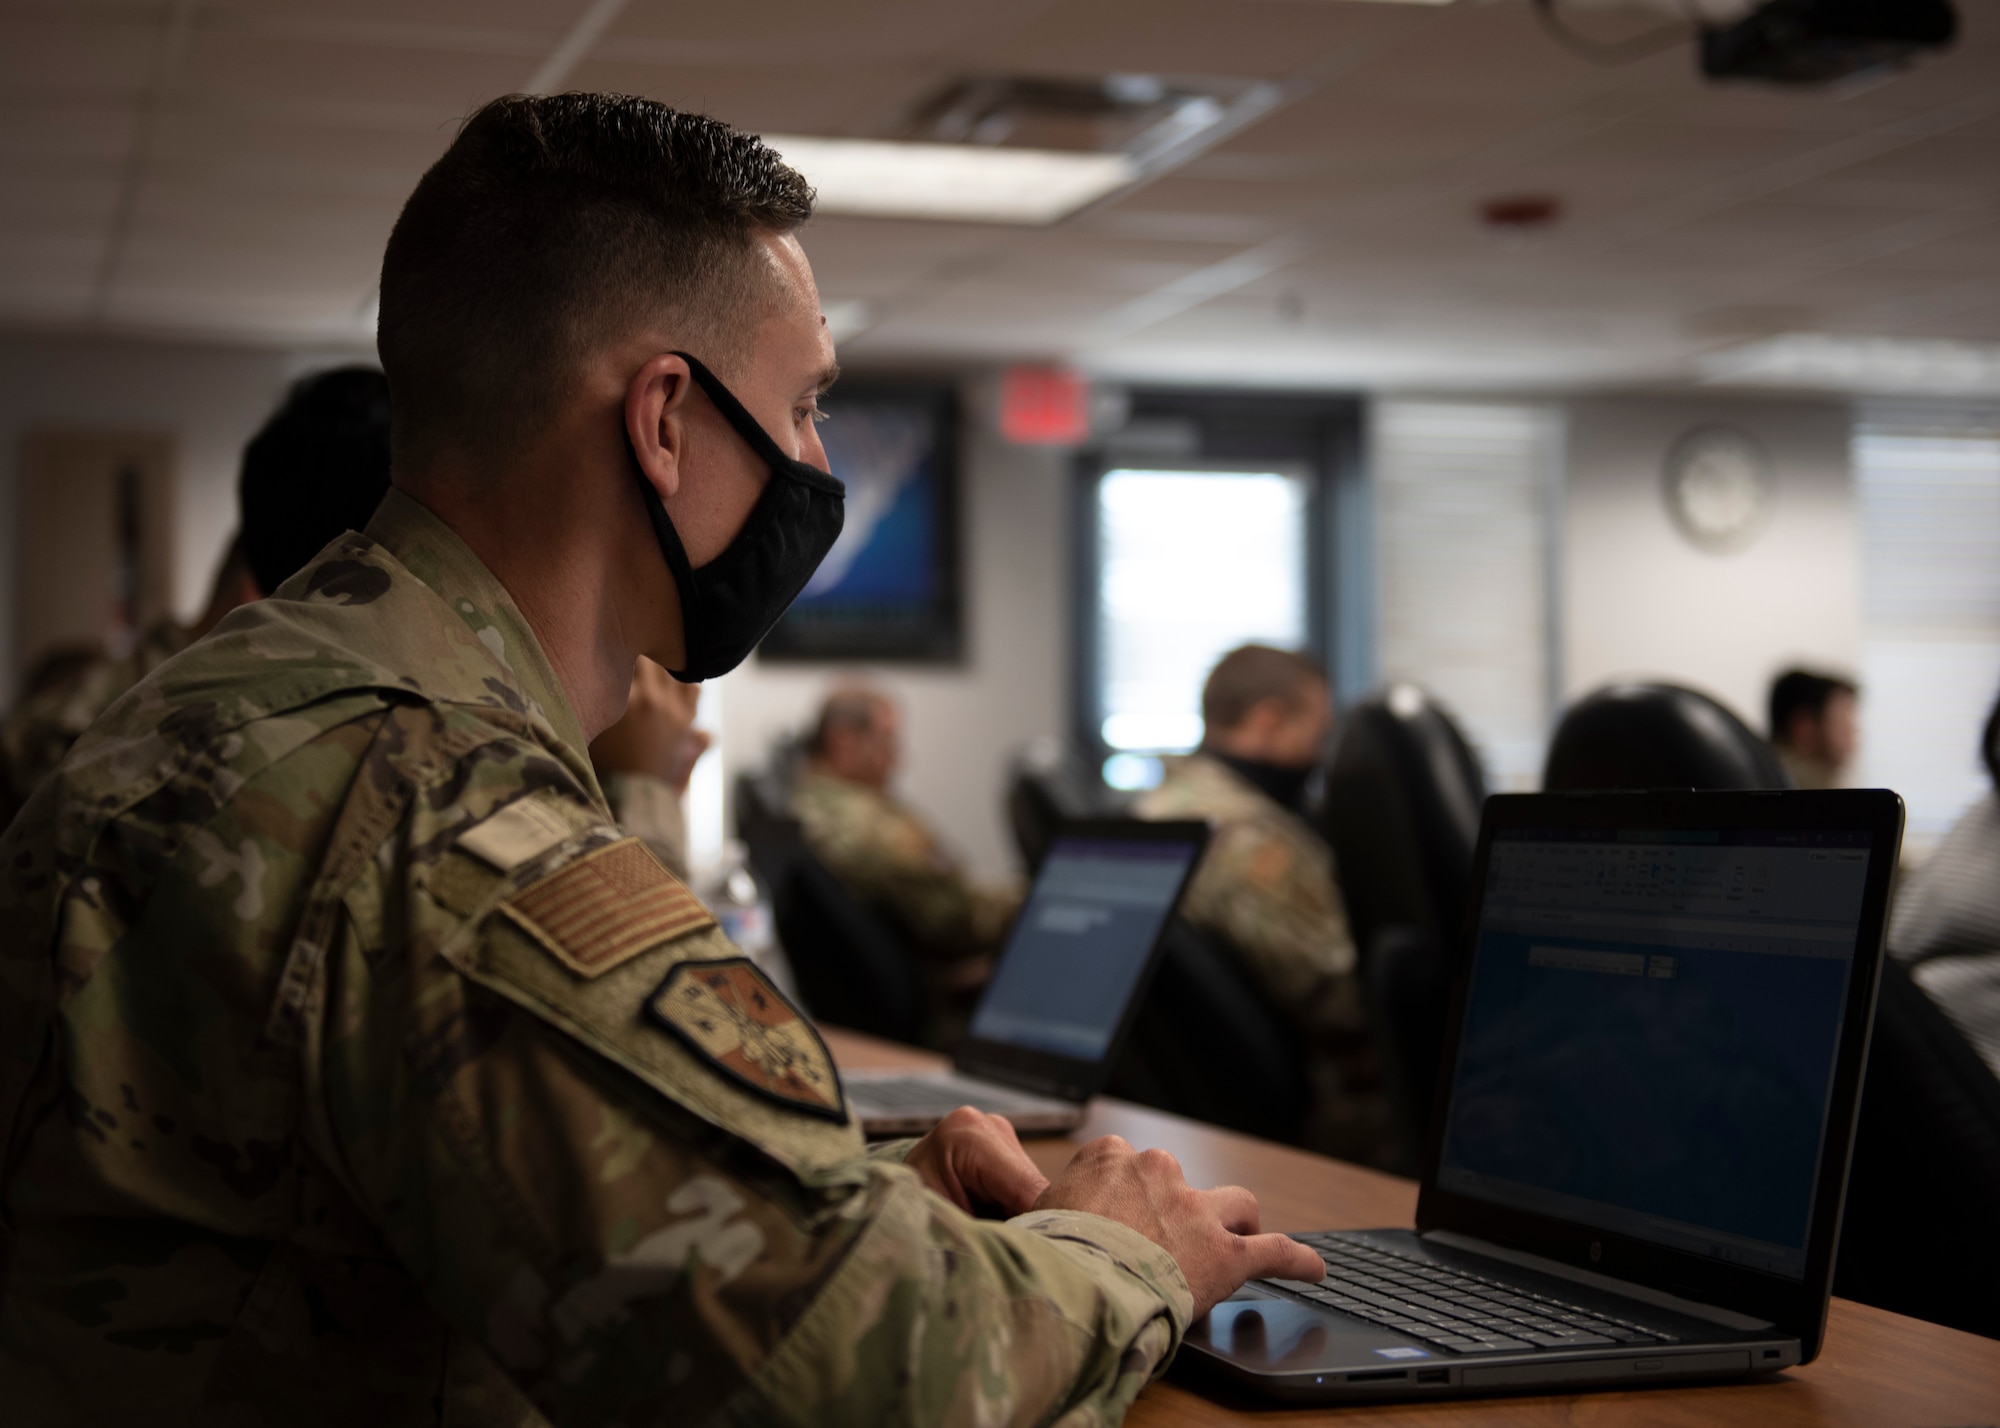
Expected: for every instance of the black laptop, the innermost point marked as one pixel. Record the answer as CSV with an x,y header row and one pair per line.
x,y
1653,1060
1067,985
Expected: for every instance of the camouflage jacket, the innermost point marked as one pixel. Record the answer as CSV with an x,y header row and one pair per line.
x,y
355,1070
40,729
1266,887
890,856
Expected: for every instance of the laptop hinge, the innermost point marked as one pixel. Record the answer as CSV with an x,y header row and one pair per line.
x,y
1659,1298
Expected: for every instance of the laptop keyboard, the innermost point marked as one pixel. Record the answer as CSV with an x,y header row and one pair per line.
x,y
1452,1309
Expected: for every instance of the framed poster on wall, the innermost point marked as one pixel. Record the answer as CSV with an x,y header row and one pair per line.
x,y
890,587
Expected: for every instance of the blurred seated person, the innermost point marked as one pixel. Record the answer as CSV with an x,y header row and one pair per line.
x,y
316,469
1813,727
886,853
1946,923
645,760
1266,886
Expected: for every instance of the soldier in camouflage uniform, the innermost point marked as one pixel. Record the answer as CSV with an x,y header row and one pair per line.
x,y
885,851
354,1069
316,469
1266,886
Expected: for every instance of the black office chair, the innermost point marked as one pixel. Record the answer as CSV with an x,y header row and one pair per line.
x,y
853,968
764,821
1407,981
1921,1230
1401,809
1207,1045
1047,785
1657,736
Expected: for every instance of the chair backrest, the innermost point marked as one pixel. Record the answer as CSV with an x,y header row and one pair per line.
x,y
1657,736
764,821
1047,786
1401,809
853,969
1407,978
1920,1234
1207,1045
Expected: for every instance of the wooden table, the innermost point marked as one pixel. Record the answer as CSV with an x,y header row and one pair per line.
x,y
1876,1369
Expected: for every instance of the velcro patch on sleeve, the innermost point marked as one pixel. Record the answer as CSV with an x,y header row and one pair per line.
x,y
606,908
524,829
728,1013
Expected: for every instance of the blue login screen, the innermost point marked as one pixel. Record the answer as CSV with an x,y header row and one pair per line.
x,y
1081,944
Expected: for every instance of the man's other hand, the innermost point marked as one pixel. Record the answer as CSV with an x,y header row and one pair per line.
x,y
1213,1234
975,1161
657,735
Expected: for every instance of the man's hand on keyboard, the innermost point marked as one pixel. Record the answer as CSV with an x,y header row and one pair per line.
x,y
1212,1233
975,1161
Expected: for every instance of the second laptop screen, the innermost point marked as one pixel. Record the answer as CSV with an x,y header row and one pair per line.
x,y
1080,945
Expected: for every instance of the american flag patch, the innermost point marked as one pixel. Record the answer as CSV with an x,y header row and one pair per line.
x,y
606,908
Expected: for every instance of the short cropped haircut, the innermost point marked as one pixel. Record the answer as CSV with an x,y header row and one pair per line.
x,y
555,226
1251,674
1798,691
317,468
849,710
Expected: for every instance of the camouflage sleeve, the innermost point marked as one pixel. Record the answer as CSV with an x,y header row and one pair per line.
x,y
1283,915
647,807
644,1222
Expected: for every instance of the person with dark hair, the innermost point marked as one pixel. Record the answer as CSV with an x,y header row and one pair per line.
x,y
315,469
1813,727
1946,922
1266,886
359,1070
889,855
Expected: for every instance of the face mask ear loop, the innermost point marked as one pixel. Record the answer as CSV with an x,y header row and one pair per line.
x,y
753,433
677,565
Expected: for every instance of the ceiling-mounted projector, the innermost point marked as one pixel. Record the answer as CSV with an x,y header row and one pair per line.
x,y
1816,41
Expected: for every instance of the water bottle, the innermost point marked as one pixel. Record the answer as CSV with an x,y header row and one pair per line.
x,y
743,910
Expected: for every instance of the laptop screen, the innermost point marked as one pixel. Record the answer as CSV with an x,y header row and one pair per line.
x,y
1650,1033
1081,944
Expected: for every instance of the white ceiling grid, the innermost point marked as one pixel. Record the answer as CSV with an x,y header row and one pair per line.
x,y
230,168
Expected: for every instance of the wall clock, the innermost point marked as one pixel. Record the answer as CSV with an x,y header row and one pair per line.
x,y
1719,488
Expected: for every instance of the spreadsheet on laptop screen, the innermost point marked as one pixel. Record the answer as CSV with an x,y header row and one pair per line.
x,y
1080,945
1650,1032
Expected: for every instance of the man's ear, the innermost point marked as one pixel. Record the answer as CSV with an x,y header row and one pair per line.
x,y
656,421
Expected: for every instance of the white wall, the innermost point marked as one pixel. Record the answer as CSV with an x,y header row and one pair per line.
x,y
960,723
1638,600
211,399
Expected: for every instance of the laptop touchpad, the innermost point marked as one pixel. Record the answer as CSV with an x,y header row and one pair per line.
x,y
1270,1334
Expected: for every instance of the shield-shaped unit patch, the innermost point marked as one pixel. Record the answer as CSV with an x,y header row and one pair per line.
x,y
729,1014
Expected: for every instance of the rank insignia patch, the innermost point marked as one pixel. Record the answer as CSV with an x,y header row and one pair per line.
x,y
729,1013
606,908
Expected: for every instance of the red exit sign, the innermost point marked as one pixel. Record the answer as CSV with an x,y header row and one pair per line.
x,y
1044,406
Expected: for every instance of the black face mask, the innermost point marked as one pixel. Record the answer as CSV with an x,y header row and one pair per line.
x,y
731,603
1284,784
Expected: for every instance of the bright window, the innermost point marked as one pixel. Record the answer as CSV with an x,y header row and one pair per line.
x,y
1190,565
1929,499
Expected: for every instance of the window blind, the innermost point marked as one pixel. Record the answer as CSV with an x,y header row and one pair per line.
x,y
1928,498
1464,502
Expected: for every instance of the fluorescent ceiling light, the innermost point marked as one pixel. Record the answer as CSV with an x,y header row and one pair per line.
x,y
969,183
1890,366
